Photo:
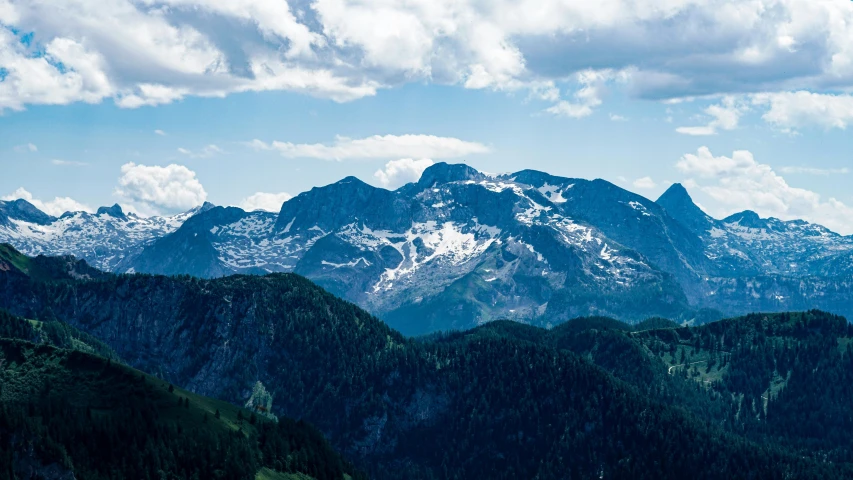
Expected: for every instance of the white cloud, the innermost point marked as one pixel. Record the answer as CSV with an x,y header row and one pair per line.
x,y
150,190
377,146
586,98
150,52
645,183
68,163
792,110
26,148
697,131
740,183
724,116
270,202
55,207
160,132
400,172
206,152
617,118
815,171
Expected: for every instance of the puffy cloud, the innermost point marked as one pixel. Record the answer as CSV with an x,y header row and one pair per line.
x,y
206,152
724,116
645,183
376,146
400,172
150,52
64,73
792,110
26,148
739,183
270,202
55,207
151,190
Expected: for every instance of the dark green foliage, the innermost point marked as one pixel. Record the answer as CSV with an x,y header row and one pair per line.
x,y
97,419
656,323
44,268
790,376
502,401
52,332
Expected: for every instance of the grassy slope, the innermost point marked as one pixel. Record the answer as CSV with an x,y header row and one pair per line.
x,y
14,258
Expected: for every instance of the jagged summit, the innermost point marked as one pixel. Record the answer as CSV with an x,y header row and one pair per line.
x,y
678,204
747,218
442,172
114,211
23,210
675,193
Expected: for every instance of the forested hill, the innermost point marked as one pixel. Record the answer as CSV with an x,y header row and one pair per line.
x,y
785,378
70,415
472,406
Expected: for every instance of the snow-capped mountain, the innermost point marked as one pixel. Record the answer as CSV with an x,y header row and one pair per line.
x,y
104,239
456,248
744,244
460,247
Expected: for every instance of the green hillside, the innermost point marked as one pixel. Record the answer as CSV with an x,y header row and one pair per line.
x,y
590,398
44,268
52,332
68,411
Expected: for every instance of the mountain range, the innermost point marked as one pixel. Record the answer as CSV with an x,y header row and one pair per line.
x,y
460,248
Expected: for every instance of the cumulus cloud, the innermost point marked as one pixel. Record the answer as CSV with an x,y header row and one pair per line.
x,y
270,202
160,132
397,173
617,118
142,53
792,110
152,190
724,116
644,183
55,207
740,182
26,148
206,152
376,146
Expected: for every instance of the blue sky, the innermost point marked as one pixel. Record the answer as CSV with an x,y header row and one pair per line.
x,y
248,101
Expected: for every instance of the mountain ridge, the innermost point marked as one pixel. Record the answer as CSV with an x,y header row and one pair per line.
x,y
522,244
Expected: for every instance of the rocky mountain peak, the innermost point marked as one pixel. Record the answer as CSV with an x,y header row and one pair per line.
x,y
21,209
115,211
679,205
747,218
440,173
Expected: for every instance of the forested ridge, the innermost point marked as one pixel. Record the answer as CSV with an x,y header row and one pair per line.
x,y
70,414
589,398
